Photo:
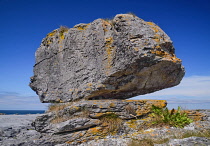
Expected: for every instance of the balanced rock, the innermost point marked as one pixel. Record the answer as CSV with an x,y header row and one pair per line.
x,y
105,59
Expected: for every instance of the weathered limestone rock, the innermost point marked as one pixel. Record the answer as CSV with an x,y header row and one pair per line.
x,y
115,59
87,114
91,123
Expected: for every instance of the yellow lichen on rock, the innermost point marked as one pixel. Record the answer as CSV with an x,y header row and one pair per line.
x,y
165,55
105,24
109,52
82,27
52,33
154,27
88,89
132,124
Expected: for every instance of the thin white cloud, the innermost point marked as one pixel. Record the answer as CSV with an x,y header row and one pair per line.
x,y
193,89
16,101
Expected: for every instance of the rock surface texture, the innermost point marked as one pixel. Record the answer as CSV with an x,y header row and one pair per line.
x,y
20,132
79,116
88,71
105,59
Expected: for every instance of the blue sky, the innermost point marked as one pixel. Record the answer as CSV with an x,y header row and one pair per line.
x,y
25,22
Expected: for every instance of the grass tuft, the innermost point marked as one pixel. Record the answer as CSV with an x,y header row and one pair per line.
x,y
112,122
131,13
54,107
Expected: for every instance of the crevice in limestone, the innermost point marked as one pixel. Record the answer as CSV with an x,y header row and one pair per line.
x,y
147,80
73,131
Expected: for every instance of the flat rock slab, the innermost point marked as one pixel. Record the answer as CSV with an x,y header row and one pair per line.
x,y
105,59
17,129
81,115
17,120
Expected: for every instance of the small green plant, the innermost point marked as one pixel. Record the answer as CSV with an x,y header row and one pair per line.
x,y
174,117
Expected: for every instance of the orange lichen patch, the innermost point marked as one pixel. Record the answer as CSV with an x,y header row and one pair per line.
x,y
100,86
97,115
157,47
74,108
148,131
112,105
110,53
152,134
83,27
150,23
89,84
69,142
62,37
70,90
59,100
105,24
194,115
136,49
141,111
94,131
165,55
49,42
132,124
157,38
158,103
88,89
122,15
134,100
148,103
62,30
81,134
154,27
51,33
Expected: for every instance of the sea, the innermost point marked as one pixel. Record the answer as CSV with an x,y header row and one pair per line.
x,y
21,112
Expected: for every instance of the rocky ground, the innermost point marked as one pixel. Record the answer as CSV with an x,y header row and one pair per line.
x,y
16,130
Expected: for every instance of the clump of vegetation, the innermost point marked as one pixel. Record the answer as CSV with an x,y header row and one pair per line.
x,y
83,112
131,13
176,118
58,119
147,142
112,122
142,142
54,107
63,29
130,110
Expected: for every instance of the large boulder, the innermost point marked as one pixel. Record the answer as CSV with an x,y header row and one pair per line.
x,y
105,59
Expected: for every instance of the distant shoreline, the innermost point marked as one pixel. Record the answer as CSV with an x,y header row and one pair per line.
x,y
21,112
